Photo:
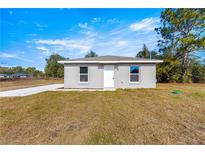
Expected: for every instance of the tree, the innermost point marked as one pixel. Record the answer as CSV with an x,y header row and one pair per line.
x,y
31,71
17,69
91,54
4,70
53,68
38,74
154,55
197,71
182,33
144,53
169,70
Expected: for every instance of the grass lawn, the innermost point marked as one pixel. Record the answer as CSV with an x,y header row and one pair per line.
x,y
138,116
18,84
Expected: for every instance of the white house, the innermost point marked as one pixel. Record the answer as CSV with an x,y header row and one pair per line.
x,y
110,72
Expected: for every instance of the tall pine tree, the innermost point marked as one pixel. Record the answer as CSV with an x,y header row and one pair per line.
x,y
183,33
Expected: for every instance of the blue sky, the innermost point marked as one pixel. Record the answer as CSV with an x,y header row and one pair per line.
x,y
28,36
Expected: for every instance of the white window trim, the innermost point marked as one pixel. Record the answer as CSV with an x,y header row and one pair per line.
x,y
134,82
83,74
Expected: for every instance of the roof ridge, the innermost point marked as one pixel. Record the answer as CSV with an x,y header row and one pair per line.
x,y
111,59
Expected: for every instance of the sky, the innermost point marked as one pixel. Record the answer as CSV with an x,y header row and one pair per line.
x,y
29,36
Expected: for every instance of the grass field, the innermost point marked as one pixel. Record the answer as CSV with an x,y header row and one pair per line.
x,y
17,84
138,116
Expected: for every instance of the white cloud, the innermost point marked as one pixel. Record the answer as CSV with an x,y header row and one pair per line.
x,y
82,42
66,44
14,56
5,65
118,41
89,34
58,48
44,50
118,31
113,21
48,50
147,24
96,20
7,55
83,25
122,43
40,26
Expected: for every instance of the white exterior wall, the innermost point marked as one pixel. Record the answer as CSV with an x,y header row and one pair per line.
x,y
72,76
147,76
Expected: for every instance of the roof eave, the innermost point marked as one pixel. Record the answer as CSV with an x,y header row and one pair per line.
x,y
110,62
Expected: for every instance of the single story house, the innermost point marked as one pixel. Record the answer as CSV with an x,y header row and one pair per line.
x,y
20,75
110,72
5,76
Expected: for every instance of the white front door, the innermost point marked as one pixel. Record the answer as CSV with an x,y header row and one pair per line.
x,y
108,76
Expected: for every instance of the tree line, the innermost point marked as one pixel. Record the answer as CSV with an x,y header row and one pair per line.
x,y
32,71
182,35
52,69
170,70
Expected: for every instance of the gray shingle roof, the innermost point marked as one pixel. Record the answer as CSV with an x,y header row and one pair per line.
x,y
20,74
109,58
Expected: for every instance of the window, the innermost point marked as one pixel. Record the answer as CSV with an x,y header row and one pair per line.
x,y
134,73
83,74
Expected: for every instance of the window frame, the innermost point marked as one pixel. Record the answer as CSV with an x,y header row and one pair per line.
x,y
134,74
83,74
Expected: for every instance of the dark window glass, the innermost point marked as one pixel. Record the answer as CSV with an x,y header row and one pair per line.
x,y
134,69
134,78
134,73
83,74
83,70
83,78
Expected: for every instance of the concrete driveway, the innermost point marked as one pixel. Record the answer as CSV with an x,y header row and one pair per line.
x,y
29,91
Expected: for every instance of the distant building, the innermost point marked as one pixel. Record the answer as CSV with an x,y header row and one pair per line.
x,y
20,75
5,76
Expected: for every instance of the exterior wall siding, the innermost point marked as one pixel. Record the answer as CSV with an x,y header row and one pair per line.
x,y
147,76
72,76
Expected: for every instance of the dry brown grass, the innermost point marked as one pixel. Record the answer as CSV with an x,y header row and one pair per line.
x,y
25,83
138,116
